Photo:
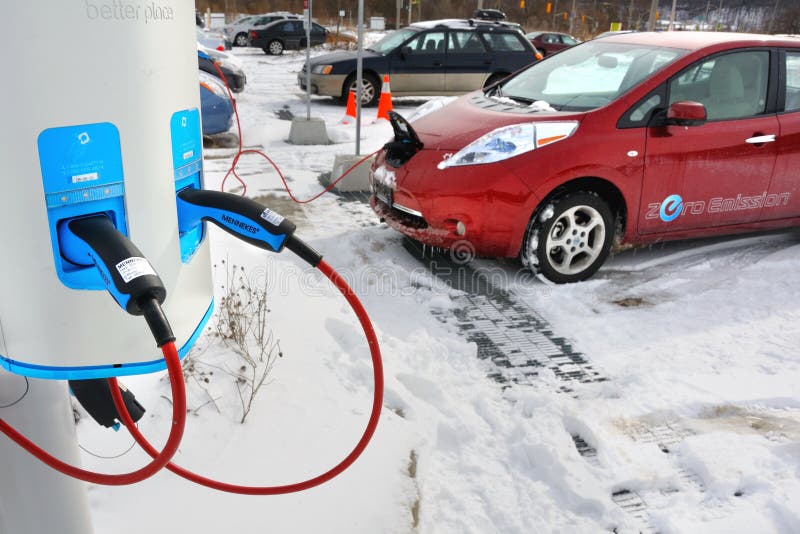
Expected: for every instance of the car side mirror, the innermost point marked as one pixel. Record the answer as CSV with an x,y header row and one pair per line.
x,y
686,113
405,51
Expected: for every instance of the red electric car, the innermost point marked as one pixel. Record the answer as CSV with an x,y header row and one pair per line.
x,y
629,139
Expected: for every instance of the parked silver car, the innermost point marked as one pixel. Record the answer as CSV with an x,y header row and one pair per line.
x,y
213,40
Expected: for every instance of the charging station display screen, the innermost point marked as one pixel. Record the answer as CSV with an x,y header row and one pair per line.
x,y
78,159
187,143
82,175
187,162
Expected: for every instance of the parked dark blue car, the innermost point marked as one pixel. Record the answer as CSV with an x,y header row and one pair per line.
x,y
438,57
216,108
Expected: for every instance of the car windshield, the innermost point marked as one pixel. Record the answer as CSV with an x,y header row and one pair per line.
x,y
588,76
392,41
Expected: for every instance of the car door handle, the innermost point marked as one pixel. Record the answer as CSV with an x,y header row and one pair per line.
x,y
759,139
437,63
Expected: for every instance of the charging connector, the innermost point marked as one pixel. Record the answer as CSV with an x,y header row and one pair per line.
x,y
126,273
244,218
95,396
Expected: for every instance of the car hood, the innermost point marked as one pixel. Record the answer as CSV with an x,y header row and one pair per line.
x,y
339,57
461,122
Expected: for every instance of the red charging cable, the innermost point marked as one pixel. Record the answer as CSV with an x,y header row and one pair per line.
x,y
377,402
160,459
241,151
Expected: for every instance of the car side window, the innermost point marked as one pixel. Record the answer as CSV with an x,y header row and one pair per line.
x,y
730,86
465,43
642,110
428,43
504,42
792,81
640,114
567,40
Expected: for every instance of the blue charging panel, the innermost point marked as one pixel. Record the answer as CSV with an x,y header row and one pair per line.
x,y
82,175
187,162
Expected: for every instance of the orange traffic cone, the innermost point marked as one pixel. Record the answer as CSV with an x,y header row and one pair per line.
x,y
350,112
385,102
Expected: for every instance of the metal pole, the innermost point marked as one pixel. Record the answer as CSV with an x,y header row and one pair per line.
x,y
572,16
630,17
672,15
651,22
359,73
33,497
399,10
307,6
772,18
555,10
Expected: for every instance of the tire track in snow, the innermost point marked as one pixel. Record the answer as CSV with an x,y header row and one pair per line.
x,y
508,332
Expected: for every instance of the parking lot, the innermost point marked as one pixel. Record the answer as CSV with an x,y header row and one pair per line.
x,y
658,396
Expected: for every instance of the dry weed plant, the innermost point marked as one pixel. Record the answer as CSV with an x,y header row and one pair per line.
x,y
241,325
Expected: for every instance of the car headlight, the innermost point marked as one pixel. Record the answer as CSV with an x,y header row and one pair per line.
x,y
510,141
321,69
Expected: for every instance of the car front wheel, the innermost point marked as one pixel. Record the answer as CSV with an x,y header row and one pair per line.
x,y
274,48
240,39
370,89
569,238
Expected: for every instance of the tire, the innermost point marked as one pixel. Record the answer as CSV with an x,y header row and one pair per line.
x,y
370,89
569,238
274,48
240,39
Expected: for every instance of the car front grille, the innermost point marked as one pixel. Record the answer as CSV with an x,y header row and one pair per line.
x,y
387,210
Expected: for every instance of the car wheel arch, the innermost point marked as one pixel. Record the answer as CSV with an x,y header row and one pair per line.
x,y
606,190
602,187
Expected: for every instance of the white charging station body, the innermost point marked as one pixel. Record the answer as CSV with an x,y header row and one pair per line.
x,y
102,116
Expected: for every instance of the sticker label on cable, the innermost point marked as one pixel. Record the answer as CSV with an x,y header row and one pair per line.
x,y
134,267
271,217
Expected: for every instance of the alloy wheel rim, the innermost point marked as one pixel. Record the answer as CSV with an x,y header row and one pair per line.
x,y
575,240
367,90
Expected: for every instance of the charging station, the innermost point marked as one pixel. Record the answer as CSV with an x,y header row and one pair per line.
x,y
105,208
103,118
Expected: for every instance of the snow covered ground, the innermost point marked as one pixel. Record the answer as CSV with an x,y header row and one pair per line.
x,y
696,429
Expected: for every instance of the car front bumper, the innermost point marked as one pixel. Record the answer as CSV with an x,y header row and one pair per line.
x,y
237,81
484,208
323,84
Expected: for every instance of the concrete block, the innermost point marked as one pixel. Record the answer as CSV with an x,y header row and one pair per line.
x,y
357,179
308,131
